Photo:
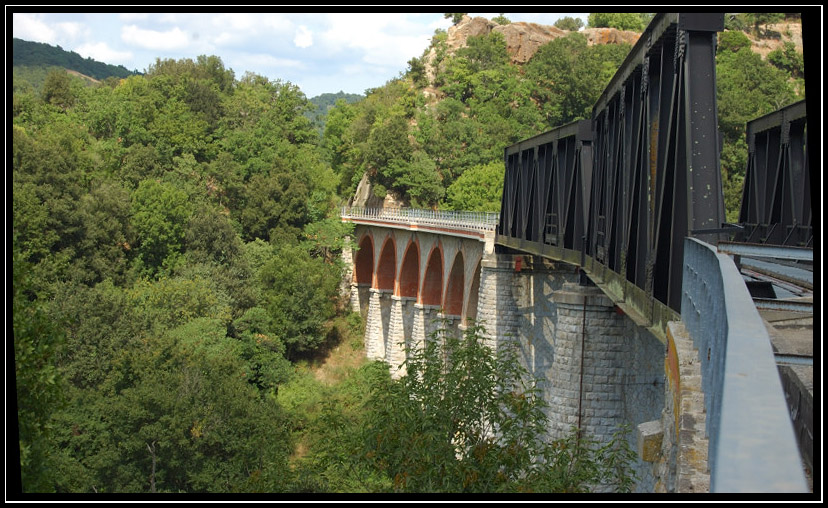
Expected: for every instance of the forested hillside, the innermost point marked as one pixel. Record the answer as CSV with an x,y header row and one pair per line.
x,y
435,137
176,262
38,54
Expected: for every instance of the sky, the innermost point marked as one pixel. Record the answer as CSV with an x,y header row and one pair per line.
x,y
320,52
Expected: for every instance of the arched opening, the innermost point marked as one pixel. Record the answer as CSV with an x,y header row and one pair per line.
x,y
453,302
433,279
410,271
387,267
364,270
474,293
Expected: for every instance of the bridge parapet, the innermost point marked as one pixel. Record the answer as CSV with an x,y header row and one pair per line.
x,y
752,444
471,221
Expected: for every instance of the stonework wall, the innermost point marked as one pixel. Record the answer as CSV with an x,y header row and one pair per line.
x,y
595,367
377,323
644,394
680,464
399,333
496,306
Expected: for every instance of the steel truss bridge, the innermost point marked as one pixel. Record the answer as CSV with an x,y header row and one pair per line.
x,y
633,197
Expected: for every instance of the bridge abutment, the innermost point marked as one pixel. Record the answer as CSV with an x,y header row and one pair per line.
x,y
596,368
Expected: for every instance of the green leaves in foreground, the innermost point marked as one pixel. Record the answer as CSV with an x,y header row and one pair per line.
x,y
467,419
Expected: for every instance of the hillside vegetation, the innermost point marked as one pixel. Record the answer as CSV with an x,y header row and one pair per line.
x,y
38,54
176,264
435,136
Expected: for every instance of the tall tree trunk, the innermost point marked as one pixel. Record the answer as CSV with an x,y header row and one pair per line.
x,y
152,476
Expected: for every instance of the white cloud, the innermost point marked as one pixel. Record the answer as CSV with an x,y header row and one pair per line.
x,y
236,21
385,39
304,37
133,17
170,40
31,27
259,61
103,53
72,31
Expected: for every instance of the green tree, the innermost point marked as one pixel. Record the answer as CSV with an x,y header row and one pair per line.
x,y
105,249
570,76
274,206
184,418
501,19
160,212
788,59
758,19
478,189
620,20
748,87
300,294
57,89
732,40
210,236
569,23
465,418
263,351
39,392
455,17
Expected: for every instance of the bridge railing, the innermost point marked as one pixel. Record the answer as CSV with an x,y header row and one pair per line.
x,y
474,221
752,447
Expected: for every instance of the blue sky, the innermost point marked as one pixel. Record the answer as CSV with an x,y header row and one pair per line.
x,y
319,52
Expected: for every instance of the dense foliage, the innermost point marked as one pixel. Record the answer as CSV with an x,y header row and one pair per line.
x,y
418,147
172,251
465,418
175,250
634,21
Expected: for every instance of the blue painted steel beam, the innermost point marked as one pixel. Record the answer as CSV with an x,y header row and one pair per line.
x,y
766,251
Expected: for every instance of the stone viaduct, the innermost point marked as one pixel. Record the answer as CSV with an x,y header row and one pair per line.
x,y
597,369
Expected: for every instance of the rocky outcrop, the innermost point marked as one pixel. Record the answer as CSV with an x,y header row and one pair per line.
x,y
365,197
523,39
610,36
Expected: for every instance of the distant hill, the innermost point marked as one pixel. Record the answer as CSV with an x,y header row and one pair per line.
x,y
38,54
325,102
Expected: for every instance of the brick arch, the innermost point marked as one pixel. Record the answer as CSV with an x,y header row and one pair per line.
x,y
386,272
364,262
432,287
453,301
474,294
410,270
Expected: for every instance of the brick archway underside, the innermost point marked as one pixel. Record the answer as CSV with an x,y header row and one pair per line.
x,y
410,271
364,262
433,279
387,266
453,302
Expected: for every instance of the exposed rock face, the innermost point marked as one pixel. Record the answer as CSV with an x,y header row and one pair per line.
x,y
610,36
467,27
364,197
523,39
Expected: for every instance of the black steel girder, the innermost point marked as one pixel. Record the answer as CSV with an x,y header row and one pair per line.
x,y
776,197
623,197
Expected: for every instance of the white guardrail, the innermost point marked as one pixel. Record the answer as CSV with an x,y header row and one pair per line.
x,y
474,221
